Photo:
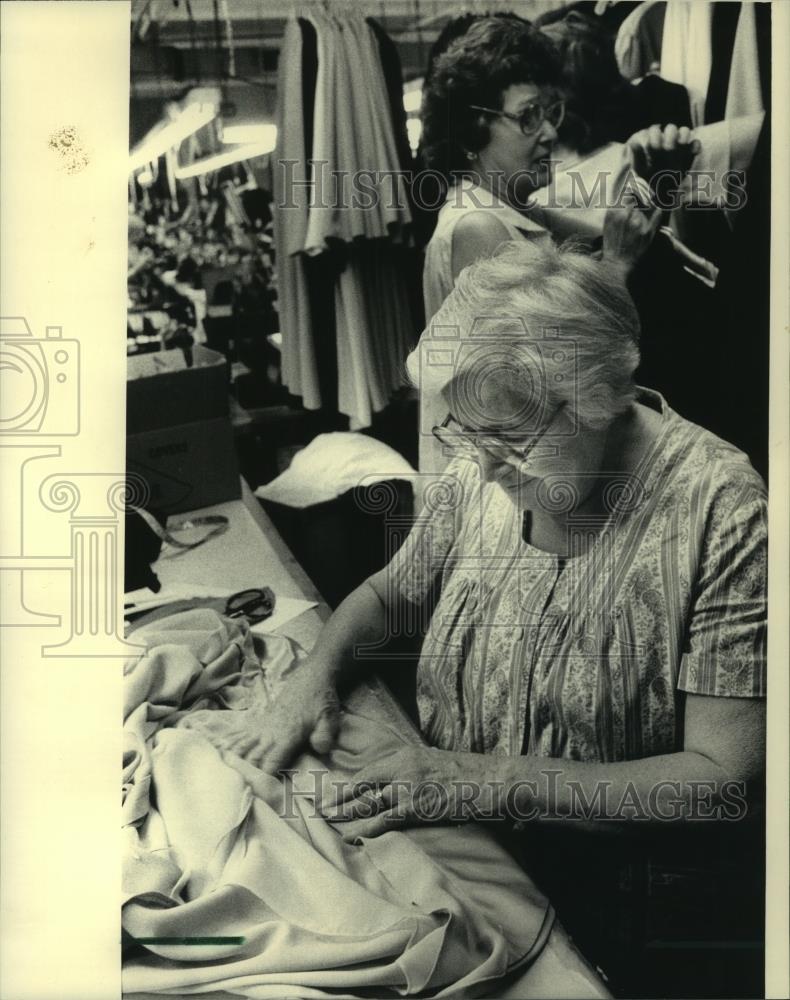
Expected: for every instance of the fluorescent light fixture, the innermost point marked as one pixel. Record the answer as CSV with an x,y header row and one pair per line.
x,y
198,109
244,152
249,132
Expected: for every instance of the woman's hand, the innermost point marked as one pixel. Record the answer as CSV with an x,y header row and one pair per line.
x,y
628,231
656,151
661,157
418,785
306,713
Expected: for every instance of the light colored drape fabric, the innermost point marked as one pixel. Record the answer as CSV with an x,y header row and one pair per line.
x,y
744,92
357,195
215,848
637,47
686,53
291,200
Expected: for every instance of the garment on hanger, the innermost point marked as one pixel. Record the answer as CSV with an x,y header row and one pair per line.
x,y
353,133
659,102
686,53
352,157
637,47
235,205
394,201
321,212
393,77
291,199
723,26
744,91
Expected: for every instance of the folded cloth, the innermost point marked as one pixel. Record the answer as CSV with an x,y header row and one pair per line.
x,y
331,465
234,881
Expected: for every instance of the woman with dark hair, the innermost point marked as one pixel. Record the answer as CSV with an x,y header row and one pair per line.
x,y
491,110
601,106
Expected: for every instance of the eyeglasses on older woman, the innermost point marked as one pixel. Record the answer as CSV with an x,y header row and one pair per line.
x,y
466,443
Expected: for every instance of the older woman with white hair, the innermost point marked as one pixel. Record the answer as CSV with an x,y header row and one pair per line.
x,y
590,568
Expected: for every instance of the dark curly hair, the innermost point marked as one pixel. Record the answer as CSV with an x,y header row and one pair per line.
x,y
599,102
477,68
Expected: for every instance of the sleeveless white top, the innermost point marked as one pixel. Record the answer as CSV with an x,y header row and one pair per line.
x,y
463,199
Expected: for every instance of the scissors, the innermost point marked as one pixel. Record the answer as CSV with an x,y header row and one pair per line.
x,y
256,604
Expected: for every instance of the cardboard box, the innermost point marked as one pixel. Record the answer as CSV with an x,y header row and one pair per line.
x,y
187,466
162,392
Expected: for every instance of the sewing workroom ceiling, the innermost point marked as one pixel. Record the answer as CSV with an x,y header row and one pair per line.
x,y
177,42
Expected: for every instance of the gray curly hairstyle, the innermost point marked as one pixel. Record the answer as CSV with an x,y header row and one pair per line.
x,y
511,317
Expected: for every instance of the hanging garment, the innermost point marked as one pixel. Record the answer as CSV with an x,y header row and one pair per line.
x,y
353,133
744,92
235,205
686,54
723,26
217,850
393,77
353,356
371,343
359,141
659,102
291,200
321,219
375,321
395,213
350,152
637,47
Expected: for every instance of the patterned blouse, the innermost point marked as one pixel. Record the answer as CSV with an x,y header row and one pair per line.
x,y
585,657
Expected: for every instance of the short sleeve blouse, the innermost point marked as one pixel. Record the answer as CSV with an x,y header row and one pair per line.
x,y
586,658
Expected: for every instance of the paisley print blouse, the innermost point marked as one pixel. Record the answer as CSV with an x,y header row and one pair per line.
x,y
587,657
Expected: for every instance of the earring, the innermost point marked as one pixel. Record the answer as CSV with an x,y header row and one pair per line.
x,y
470,155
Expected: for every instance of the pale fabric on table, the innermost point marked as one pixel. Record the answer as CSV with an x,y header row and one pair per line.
x,y
216,848
333,464
583,658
